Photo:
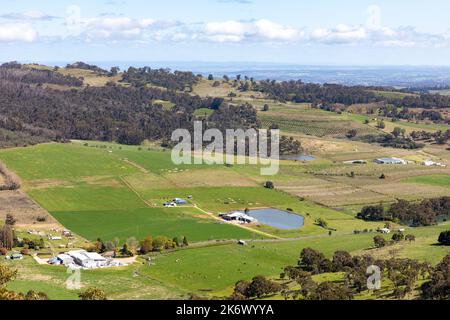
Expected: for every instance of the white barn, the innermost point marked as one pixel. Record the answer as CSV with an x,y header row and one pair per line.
x,y
88,260
238,216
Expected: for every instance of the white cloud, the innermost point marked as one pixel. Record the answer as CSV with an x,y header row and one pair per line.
x,y
115,28
273,31
260,30
17,32
33,15
340,34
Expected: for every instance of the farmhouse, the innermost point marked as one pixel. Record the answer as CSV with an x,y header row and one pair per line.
x,y
390,161
238,216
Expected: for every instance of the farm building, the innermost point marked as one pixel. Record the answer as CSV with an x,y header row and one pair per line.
x,y
238,216
430,163
15,256
88,260
83,259
61,259
170,204
179,201
390,161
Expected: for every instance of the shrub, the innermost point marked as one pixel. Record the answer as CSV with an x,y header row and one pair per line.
x,y
444,238
269,185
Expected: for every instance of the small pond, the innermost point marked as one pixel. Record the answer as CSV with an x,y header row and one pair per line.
x,y
277,218
298,157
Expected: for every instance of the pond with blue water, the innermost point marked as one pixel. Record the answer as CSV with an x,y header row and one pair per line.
x,y
298,157
277,218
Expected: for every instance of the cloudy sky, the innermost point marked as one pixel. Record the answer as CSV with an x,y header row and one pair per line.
x,y
320,32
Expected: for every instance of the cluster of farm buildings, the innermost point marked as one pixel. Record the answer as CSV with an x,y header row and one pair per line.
x,y
81,259
176,202
397,161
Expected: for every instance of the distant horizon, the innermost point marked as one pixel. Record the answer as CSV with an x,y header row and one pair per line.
x,y
401,76
254,63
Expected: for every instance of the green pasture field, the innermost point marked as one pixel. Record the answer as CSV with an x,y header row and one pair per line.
x,y
434,180
142,222
63,161
228,264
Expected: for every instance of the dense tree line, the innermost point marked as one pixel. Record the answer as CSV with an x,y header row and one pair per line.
x,y
177,80
390,140
111,113
300,92
423,213
17,73
86,66
438,288
402,273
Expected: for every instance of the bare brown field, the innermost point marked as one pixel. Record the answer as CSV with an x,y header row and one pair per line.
x,y
90,77
24,210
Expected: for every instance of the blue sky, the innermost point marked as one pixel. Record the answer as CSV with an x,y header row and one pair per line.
x,y
320,32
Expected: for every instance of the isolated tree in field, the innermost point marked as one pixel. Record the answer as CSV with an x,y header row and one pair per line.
x,y
185,241
269,185
398,236
379,241
321,222
397,132
210,77
10,220
93,294
265,108
444,238
351,133
381,124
